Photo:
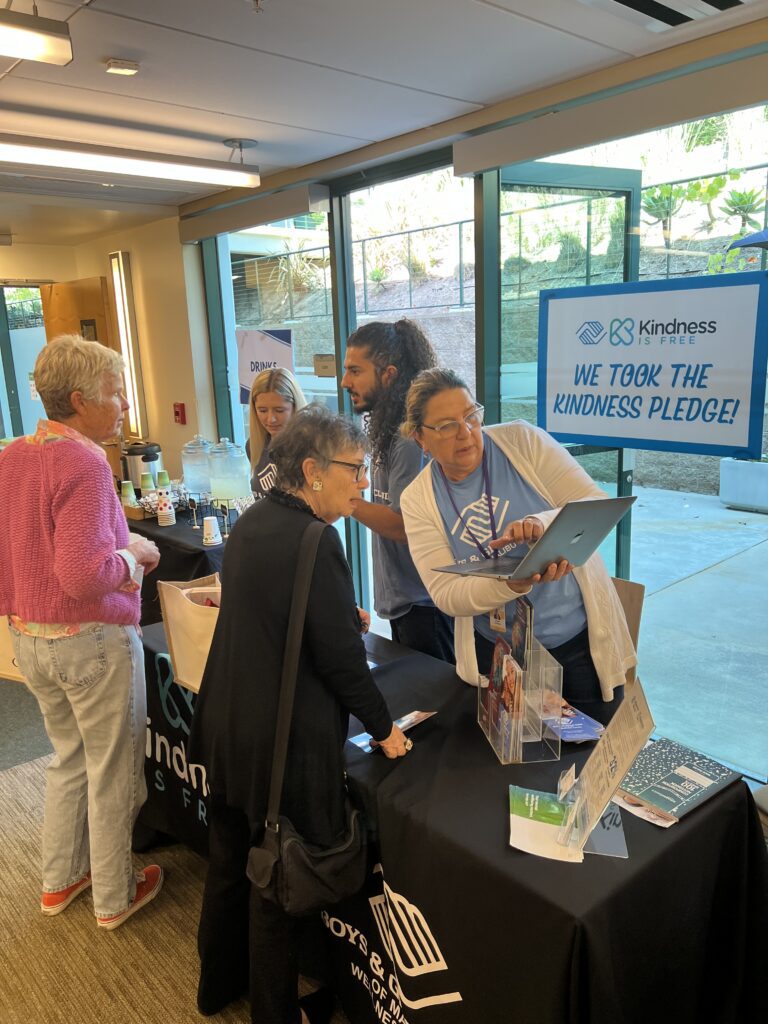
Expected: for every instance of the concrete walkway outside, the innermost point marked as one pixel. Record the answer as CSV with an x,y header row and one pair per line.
x,y
703,655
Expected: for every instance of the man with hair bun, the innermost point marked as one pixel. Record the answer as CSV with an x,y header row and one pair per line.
x,y
381,361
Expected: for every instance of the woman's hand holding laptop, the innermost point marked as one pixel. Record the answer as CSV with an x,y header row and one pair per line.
x,y
528,531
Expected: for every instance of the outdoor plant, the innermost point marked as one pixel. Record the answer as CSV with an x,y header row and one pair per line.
x,y
745,205
733,261
705,133
661,203
377,274
572,253
706,191
300,270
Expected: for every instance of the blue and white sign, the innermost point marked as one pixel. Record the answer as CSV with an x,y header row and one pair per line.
x,y
261,350
666,365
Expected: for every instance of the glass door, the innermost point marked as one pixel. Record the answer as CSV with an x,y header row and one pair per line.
x,y
563,226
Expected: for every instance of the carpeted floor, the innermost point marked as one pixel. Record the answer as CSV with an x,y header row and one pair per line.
x,y
62,969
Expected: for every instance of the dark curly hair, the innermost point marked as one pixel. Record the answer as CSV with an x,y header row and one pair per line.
x,y
402,344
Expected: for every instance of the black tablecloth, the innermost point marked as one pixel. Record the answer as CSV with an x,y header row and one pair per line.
x,y
472,931
675,933
182,557
176,807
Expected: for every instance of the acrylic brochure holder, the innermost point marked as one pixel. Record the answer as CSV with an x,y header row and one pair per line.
x,y
517,706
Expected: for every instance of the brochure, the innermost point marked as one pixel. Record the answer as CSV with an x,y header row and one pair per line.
x,y
570,724
670,779
540,823
364,739
535,821
500,704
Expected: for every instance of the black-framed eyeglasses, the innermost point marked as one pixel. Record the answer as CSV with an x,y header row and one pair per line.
x,y
360,468
451,428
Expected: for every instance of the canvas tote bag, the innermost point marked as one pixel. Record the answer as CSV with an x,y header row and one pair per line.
x,y
190,619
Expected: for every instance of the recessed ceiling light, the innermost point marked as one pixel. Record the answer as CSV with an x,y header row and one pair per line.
x,y
121,67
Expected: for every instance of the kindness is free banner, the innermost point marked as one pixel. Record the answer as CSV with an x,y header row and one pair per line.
x,y
665,365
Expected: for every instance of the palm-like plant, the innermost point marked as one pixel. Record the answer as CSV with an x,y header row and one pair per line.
x,y
745,205
661,203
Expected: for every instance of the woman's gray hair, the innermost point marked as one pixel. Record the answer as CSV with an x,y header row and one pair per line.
x,y
314,432
70,363
424,387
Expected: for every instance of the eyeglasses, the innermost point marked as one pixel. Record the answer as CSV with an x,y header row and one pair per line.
x,y
360,468
451,428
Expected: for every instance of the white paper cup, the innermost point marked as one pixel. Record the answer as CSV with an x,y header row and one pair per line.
x,y
211,532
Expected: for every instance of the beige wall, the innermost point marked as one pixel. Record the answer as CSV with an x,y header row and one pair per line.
x,y
35,263
163,322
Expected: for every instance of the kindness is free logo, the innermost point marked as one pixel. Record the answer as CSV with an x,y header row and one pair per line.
x,y
622,331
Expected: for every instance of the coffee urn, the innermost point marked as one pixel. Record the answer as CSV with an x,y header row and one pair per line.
x,y
141,457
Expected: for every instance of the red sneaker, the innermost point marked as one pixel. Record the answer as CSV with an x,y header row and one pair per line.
x,y
52,903
149,882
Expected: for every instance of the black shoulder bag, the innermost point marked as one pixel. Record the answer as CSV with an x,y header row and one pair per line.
x,y
297,876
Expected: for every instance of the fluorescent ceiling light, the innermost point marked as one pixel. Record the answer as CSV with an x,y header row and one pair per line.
x,y
21,151
28,37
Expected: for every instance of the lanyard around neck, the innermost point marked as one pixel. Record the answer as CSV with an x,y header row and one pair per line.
x,y
489,500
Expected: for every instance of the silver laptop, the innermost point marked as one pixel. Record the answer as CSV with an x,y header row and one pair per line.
x,y
574,534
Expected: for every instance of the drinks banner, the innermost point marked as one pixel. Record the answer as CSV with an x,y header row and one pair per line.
x,y
666,365
261,350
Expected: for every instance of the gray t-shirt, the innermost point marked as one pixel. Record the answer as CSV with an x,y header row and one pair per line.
x,y
397,585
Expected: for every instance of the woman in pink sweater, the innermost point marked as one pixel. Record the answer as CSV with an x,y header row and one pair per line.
x,y
69,584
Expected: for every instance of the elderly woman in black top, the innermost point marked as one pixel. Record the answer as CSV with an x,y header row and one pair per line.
x,y
321,470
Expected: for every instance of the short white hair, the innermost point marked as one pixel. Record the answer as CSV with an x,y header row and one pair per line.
x,y
70,363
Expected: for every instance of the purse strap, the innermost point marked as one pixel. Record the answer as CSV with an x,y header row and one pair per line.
x,y
304,569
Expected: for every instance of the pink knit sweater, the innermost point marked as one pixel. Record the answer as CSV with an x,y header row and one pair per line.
x,y
62,525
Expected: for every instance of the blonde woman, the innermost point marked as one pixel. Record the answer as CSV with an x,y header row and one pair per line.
x,y
275,397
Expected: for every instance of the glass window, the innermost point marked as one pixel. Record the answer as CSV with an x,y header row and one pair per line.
x,y
701,186
20,407
413,251
281,281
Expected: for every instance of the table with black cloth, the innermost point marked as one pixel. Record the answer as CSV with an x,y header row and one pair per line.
x,y
456,926
183,556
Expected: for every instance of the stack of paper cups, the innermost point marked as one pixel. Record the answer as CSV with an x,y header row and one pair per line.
x,y
127,493
147,484
166,515
211,532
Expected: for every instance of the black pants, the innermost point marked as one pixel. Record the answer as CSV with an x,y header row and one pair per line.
x,y
425,628
581,686
246,944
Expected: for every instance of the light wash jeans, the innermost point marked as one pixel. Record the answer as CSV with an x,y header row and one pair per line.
x,y
92,694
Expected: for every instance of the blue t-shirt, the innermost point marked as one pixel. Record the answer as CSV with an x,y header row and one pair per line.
x,y
397,585
558,608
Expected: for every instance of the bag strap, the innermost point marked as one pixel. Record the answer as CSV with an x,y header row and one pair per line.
x,y
304,570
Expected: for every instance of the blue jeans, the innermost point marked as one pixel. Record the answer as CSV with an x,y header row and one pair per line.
x,y
91,691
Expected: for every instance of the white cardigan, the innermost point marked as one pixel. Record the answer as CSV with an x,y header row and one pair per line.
x,y
556,475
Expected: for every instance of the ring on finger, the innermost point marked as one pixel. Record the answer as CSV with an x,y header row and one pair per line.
x,y
408,745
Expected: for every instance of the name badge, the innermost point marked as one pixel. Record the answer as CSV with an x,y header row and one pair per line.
x,y
498,618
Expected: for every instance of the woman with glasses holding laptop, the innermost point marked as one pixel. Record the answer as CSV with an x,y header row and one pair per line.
x,y
484,490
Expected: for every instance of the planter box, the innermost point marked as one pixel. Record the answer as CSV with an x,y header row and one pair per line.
x,y
744,484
